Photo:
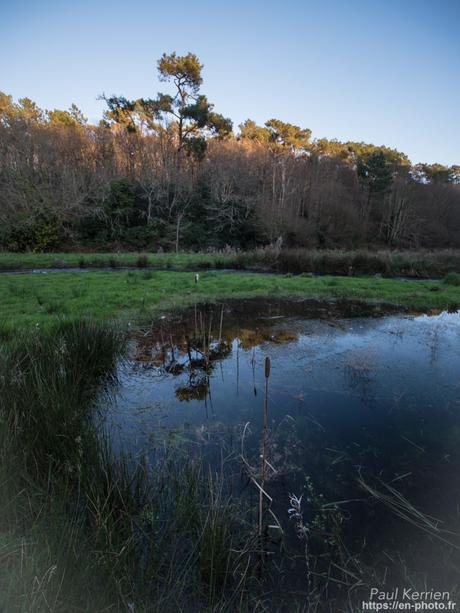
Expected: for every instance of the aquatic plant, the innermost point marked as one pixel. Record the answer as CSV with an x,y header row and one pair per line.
x,y
296,514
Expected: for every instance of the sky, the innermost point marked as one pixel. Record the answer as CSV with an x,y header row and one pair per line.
x,y
379,71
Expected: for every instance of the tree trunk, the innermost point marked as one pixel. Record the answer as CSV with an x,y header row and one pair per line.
x,y
179,219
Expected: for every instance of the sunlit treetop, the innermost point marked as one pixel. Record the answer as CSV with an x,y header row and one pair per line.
x,y
363,150
30,110
72,118
185,70
437,173
276,134
120,113
188,111
187,118
288,135
250,131
6,106
26,110
332,148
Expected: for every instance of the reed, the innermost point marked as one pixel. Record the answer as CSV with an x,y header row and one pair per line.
x,y
422,263
84,529
416,262
264,450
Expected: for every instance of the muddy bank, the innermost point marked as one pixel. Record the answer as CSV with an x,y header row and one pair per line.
x,y
262,308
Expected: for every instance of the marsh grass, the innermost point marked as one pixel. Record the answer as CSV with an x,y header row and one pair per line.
x,y
417,263
47,456
142,261
361,262
84,529
46,383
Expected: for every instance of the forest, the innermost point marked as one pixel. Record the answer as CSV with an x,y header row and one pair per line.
x,y
169,173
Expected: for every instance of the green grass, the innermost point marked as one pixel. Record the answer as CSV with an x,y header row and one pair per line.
x,y
29,300
10,260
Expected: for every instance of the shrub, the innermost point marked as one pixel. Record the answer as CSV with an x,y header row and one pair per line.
x,y
41,232
114,262
142,261
452,278
142,237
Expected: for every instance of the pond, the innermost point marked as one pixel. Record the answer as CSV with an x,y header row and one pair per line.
x,y
364,422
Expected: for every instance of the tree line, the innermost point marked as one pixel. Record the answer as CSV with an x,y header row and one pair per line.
x,y
169,173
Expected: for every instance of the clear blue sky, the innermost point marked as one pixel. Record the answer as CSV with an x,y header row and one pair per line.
x,y
382,71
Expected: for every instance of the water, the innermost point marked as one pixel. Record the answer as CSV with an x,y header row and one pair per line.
x,y
354,401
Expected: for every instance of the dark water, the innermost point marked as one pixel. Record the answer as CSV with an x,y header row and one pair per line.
x,y
133,269
355,402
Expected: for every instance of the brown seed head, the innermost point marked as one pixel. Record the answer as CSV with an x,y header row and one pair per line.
x,y
267,367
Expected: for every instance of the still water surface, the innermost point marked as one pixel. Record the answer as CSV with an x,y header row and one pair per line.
x,y
352,400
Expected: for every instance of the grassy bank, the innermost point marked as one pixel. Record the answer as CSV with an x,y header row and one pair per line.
x,y
29,300
335,262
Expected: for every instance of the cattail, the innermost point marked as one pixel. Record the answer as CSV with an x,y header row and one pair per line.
x,y
267,367
264,450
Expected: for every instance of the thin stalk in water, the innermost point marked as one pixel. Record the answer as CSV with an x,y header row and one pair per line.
x,y
264,449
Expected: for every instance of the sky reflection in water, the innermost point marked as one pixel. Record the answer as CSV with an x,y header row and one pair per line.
x,y
370,398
